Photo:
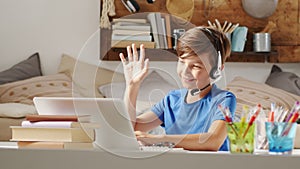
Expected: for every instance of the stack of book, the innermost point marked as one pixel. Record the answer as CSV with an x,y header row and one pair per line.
x,y
128,31
55,132
161,30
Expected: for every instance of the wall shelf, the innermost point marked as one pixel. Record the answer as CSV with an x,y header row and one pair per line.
x,y
170,55
285,41
250,56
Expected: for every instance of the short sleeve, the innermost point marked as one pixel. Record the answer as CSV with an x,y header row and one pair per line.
x,y
158,109
229,100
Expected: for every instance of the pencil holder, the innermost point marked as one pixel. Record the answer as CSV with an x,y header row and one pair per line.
x,y
281,137
241,137
262,42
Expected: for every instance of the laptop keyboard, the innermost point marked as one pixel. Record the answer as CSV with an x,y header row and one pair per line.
x,y
159,149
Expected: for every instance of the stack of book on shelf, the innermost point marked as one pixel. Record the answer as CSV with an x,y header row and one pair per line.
x,y
55,132
128,31
161,30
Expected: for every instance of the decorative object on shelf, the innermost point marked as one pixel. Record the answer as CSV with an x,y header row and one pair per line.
x,y
131,5
262,42
259,8
108,8
269,28
150,1
227,27
239,37
181,9
262,39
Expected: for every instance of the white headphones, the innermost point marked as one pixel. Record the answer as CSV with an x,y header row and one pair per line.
x,y
216,70
215,73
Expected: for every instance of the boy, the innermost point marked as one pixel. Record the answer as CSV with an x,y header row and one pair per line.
x,y
190,116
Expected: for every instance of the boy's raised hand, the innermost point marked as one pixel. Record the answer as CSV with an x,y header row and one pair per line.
x,y
135,68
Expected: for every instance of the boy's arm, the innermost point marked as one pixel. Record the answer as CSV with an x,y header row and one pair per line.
x,y
135,70
212,140
144,122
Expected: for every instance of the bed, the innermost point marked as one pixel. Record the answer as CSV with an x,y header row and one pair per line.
x,y
70,80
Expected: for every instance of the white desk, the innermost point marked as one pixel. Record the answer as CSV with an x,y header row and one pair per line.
x,y
11,158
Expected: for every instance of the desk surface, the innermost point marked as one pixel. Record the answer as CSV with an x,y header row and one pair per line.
x,y
10,157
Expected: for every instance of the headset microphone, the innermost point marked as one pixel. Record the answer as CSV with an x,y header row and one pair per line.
x,y
196,91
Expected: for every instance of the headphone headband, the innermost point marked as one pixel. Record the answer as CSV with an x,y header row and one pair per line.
x,y
215,72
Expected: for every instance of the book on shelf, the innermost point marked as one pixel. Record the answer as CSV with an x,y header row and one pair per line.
x,y
168,31
130,32
124,26
131,37
160,31
152,19
125,43
54,145
164,33
20,133
125,23
59,124
37,117
133,20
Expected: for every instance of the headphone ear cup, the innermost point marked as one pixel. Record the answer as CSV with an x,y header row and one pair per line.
x,y
214,73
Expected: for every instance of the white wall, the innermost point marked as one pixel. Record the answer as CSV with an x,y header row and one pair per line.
x,y
50,27
53,27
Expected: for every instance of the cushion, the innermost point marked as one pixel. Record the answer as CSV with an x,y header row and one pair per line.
x,y
25,90
287,81
16,110
152,90
251,93
86,77
25,69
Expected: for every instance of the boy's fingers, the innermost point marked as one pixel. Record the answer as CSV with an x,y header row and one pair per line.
x,y
129,53
121,55
142,54
135,53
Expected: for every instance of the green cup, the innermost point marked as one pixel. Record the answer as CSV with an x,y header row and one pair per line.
x,y
241,137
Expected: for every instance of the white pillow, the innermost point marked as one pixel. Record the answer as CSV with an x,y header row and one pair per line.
x,y
87,78
152,90
16,110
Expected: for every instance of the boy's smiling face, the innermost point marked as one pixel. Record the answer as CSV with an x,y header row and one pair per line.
x,y
192,71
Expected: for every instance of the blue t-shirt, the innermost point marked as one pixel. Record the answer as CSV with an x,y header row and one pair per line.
x,y
178,117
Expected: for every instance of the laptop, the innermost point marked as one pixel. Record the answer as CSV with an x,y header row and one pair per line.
x,y
115,133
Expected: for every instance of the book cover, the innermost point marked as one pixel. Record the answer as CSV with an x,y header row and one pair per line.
x,y
152,19
130,32
52,134
36,117
164,33
168,31
125,43
131,37
131,27
59,124
124,23
160,31
134,20
54,145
